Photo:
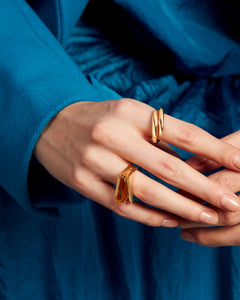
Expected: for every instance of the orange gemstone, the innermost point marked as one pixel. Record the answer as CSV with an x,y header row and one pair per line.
x,y
122,194
123,188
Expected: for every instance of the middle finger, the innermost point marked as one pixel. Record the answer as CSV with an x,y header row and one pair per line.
x,y
108,166
174,171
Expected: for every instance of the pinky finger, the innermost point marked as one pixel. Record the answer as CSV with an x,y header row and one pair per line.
x,y
214,237
139,212
145,215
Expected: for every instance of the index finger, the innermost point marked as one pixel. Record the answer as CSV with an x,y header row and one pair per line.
x,y
202,164
191,138
196,140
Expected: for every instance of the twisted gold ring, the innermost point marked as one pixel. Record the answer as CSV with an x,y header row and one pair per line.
x,y
157,124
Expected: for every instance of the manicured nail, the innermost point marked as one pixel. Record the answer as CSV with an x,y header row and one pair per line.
x,y
230,202
187,235
170,223
208,217
236,161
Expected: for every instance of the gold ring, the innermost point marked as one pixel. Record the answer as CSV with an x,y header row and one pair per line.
x,y
123,192
157,125
160,123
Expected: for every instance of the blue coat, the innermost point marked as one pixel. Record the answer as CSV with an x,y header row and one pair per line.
x,y
91,253
42,80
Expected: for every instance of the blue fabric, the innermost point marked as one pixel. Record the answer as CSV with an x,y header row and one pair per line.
x,y
37,80
196,31
59,15
91,253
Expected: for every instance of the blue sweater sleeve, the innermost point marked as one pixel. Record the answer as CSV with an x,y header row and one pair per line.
x,y
37,80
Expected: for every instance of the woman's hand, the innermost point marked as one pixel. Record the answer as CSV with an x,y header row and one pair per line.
x,y
88,144
224,235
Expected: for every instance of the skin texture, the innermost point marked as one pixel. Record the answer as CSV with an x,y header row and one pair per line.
x,y
223,235
88,144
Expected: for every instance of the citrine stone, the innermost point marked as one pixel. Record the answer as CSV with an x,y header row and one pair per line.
x,y
123,189
122,195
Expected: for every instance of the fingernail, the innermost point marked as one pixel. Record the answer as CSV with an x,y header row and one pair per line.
x,y
208,217
236,161
230,202
170,223
187,235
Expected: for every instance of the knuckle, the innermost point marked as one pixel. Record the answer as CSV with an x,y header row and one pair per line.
x,y
89,156
102,131
147,195
169,169
122,209
77,180
201,238
150,221
187,133
124,106
230,218
224,180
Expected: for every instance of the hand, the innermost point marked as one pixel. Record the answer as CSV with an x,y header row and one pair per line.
x,y
88,144
225,235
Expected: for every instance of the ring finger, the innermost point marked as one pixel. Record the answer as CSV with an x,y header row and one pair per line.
x,y
167,167
108,166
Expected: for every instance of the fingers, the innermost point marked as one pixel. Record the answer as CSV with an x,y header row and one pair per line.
x,y
176,132
233,139
195,140
157,195
104,194
202,164
143,214
174,171
229,179
184,135
224,219
108,166
213,237
224,236
165,147
128,142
